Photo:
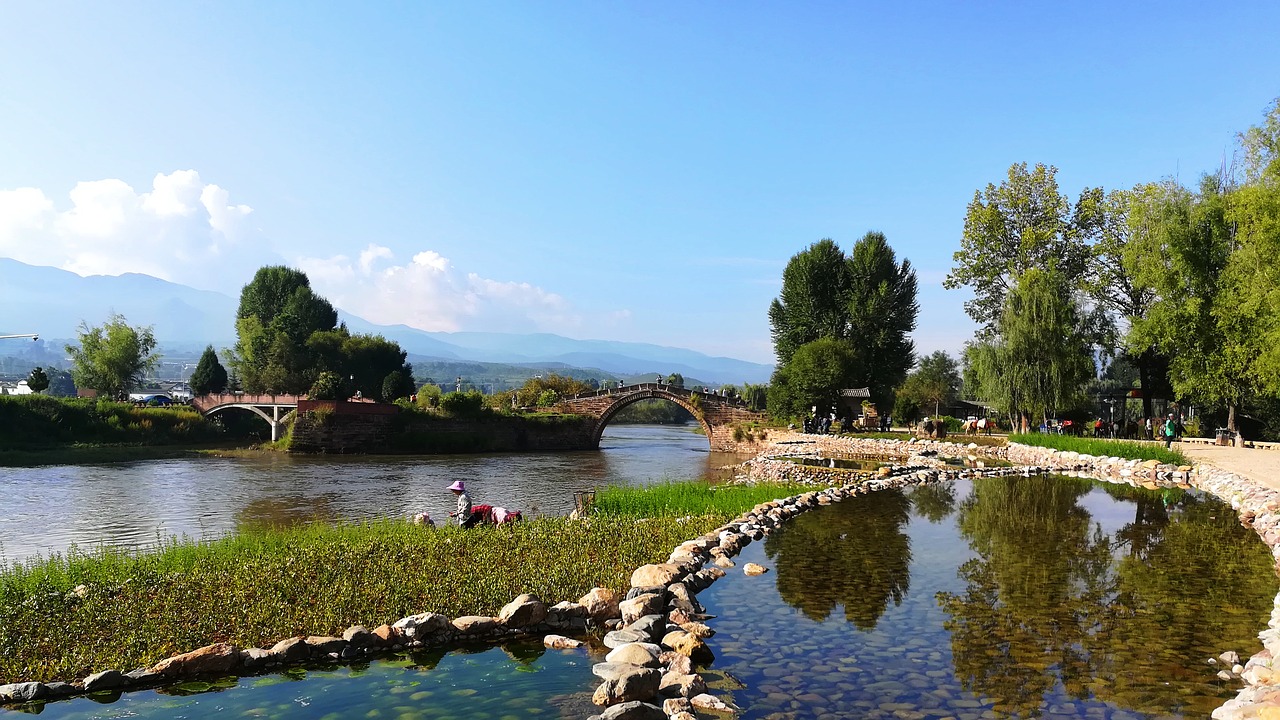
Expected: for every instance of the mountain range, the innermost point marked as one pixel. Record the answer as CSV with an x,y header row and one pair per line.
x,y
54,302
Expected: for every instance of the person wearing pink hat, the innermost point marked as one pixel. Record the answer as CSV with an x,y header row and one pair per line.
x,y
464,503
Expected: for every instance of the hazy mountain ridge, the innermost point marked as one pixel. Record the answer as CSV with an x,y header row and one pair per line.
x,y
55,302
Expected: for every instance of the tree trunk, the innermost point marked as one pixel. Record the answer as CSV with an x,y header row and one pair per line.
x,y
1144,383
1231,418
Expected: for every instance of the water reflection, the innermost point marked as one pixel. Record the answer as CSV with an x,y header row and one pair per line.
x,y
1033,593
1027,598
933,502
855,555
513,681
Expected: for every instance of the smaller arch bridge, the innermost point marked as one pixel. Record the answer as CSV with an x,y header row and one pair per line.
x,y
267,407
716,413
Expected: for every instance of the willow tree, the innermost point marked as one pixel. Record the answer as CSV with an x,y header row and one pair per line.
x,y
1039,357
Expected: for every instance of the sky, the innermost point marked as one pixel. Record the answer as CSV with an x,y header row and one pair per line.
x,y
636,171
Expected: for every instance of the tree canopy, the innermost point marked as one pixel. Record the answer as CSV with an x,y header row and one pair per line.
x,y
209,375
1024,223
1039,357
112,357
866,301
288,337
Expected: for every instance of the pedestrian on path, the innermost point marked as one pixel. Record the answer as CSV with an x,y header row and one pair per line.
x,y
1170,430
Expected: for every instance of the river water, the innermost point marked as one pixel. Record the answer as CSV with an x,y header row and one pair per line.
x,y
998,598
48,509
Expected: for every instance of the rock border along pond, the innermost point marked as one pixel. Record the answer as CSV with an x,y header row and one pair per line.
x,y
656,633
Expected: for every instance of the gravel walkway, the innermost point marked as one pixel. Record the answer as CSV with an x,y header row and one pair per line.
x,y
1260,466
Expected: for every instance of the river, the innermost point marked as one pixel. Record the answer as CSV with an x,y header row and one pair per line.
x,y
49,509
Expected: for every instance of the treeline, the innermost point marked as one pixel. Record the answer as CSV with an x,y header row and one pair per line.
x,y
1176,281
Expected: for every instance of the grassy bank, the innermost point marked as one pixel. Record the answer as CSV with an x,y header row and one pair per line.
x,y
1103,448
96,454
38,423
255,589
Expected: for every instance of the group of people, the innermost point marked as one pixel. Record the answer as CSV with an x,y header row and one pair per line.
x,y
468,515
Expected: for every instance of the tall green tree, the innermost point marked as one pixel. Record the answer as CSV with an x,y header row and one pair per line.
x,y
1040,357
209,375
867,298
113,357
278,313
1121,232
814,300
1024,223
882,310
1249,314
1192,242
38,380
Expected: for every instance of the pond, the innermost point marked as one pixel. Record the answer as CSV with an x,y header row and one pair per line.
x,y
515,681
1004,597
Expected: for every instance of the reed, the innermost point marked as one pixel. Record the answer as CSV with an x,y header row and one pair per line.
x,y
1103,448
677,499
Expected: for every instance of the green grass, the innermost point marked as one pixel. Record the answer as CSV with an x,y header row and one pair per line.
x,y
256,588
1103,448
677,499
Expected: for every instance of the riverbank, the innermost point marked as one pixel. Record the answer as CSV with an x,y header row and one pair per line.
x,y
99,454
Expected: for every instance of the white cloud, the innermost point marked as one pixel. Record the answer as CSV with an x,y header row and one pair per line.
x,y
429,294
175,231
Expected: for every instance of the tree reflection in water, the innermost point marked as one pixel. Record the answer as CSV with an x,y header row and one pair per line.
x,y
934,501
854,554
1054,605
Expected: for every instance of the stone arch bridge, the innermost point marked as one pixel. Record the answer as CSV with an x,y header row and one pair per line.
x,y
716,413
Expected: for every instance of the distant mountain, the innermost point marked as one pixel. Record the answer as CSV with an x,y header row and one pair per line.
x,y
54,302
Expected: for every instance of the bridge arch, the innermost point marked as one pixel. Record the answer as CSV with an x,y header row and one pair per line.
x,y
717,414
623,401
267,407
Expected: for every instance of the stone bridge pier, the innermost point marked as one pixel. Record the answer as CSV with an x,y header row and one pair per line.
x,y
718,415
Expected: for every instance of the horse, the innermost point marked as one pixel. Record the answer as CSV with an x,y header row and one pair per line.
x,y
970,427
983,425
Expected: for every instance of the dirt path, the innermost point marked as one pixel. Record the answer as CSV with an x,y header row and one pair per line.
x,y
1260,466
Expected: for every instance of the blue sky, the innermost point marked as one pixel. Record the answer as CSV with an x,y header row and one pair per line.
x,y
626,171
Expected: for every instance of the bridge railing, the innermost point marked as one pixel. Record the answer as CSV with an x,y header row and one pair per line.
x,y
204,402
673,389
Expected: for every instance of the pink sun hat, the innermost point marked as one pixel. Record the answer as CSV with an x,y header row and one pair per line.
x,y
457,485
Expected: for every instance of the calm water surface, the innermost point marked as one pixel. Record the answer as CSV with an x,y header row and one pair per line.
x,y
1002,598
48,509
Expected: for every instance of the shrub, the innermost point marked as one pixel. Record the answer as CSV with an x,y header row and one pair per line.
x,y
329,386
429,396
466,403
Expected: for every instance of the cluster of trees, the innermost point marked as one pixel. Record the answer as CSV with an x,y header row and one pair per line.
x,y
1178,282
289,341
841,322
